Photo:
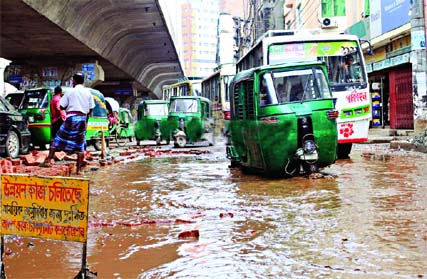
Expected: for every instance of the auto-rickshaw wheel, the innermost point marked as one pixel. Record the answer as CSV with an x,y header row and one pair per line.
x,y
158,140
97,144
43,147
180,141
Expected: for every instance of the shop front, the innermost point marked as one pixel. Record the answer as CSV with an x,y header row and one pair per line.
x,y
390,78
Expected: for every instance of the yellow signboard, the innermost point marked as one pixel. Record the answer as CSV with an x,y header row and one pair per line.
x,y
45,207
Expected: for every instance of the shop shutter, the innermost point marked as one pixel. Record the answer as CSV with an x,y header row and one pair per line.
x,y
401,100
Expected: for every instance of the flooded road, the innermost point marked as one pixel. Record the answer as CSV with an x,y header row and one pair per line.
x,y
368,219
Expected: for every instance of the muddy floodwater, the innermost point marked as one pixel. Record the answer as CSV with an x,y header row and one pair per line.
x,y
367,219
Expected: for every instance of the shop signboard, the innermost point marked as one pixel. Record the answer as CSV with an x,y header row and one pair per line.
x,y
391,62
387,15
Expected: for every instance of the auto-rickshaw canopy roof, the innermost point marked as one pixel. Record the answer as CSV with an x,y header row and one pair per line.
x,y
114,105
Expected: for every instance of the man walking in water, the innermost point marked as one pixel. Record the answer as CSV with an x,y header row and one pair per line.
x,y
57,115
78,104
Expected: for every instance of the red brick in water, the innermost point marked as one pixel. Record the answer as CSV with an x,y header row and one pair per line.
x,y
189,234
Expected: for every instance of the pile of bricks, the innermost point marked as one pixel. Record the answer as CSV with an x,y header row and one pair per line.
x,y
65,164
30,164
12,166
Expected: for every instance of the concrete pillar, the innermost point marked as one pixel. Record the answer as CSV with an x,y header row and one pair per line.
x,y
3,64
418,59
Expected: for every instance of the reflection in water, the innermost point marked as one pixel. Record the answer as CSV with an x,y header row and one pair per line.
x,y
368,222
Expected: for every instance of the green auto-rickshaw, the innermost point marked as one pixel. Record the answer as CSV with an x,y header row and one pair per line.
x,y
283,119
151,123
98,121
189,119
35,105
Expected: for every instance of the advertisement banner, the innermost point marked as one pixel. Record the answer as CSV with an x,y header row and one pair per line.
x,y
387,15
45,207
284,51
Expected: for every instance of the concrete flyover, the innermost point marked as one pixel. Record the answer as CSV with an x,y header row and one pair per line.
x,y
128,38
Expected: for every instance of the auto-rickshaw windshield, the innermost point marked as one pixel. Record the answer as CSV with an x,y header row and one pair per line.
x,y
156,109
35,99
295,86
183,105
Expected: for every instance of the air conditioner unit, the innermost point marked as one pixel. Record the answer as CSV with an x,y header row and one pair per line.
x,y
329,23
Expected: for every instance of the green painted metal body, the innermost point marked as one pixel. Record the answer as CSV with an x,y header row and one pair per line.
x,y
195,112
266,138
98,121
35,105
149,113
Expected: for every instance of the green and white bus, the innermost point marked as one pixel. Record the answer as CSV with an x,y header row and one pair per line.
x,y
349,83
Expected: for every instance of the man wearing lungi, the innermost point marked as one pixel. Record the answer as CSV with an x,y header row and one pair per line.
x,y
71,137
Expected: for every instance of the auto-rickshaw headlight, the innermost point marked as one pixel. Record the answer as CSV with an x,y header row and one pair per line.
x,y
309,146
304,120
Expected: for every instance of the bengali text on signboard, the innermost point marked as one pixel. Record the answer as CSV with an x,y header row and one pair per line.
x,y
45,207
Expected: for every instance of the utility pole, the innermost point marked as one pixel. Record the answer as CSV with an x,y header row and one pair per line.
x,y
418,58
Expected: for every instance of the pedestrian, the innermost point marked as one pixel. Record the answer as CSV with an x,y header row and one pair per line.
x,y
78,103
57,114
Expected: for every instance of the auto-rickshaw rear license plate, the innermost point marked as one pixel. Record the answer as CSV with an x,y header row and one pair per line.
x,y
31,118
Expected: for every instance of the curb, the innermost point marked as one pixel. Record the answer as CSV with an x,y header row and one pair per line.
x,y
405,145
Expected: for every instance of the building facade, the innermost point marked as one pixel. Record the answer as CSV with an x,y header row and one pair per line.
x,y
199,20
396,66
394,32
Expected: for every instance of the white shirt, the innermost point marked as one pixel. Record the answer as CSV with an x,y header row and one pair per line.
x,y
79,99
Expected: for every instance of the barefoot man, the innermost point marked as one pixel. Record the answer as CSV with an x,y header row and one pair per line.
x,y
78,103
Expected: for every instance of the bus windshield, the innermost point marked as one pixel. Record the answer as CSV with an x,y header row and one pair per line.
x,y
293,86
343,58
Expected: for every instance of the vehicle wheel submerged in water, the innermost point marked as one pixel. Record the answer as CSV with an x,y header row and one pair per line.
x,y
343,150
158,140
180,141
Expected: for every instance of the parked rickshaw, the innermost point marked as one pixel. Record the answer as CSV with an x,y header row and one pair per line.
x,y
151,122
35,105
120,127
283,119
127,130
189,119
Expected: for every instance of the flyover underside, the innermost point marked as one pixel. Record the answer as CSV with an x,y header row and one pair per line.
x,y
129,39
